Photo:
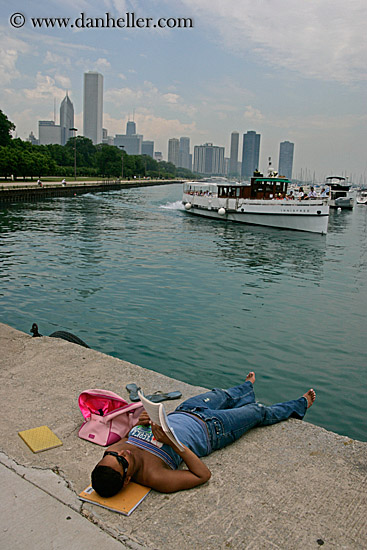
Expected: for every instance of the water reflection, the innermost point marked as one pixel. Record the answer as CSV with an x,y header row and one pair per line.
x,y
339,220
266,250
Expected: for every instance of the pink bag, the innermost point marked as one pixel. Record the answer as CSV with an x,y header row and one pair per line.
x,y
107,416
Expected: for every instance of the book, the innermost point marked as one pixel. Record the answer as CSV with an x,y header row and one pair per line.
x,y
40,439
158,415
124,502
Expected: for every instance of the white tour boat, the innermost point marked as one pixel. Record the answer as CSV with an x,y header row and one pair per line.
x,y
340,195
262,202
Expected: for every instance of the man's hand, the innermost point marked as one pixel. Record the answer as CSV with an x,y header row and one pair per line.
x,y
160,435
144,419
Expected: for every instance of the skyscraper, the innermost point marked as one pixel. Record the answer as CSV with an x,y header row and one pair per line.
x,y
49,132
184,153
147,148
173,151
66,119
250,154
208,159
285,165
132,144
130,128
93,106
233,160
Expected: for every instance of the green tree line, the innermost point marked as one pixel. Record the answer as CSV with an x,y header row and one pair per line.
x,y
21,159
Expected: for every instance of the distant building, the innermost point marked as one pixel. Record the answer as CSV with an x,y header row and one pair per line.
x,y
184,157
285,166
208,159
130,128
66,119
173,151
250,154
132,144
106,139
147,148
32,139
93,106
49,133
158,156
226,166
233,159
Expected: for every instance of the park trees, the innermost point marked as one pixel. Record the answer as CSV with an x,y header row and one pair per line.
x,y
6,127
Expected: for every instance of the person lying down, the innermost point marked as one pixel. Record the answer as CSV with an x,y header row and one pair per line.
x,y
204,423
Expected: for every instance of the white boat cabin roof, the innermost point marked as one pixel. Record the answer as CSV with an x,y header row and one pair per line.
x,y
338,182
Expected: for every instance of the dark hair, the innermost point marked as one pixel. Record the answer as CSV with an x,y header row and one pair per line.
x,y
106,481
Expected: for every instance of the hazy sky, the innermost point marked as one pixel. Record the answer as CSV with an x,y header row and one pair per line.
x,y
289,69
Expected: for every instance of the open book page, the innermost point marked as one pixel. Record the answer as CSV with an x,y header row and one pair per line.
x,y
157,414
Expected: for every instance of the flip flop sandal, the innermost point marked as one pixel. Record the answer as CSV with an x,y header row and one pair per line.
x,y
133,391
159,396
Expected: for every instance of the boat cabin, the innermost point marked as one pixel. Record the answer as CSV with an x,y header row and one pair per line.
x,y
259,188
339,186
268,188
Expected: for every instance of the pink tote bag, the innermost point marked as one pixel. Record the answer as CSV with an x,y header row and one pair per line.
x,y
107,416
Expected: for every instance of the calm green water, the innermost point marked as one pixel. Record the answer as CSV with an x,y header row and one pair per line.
x,y
202,301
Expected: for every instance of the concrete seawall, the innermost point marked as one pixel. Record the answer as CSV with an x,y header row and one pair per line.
x,y
289,486
20,192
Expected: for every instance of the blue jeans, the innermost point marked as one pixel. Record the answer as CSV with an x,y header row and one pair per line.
x,y
230,413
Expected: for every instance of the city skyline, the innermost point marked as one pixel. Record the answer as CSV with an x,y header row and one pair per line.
x,y
208,158
297,77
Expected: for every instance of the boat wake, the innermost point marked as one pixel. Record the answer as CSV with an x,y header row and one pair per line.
x,y
177,205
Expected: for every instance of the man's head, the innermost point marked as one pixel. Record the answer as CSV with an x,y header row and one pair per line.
x,y
111,474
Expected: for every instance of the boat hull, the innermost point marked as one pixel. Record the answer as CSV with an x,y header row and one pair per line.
x,y
346,203
312,217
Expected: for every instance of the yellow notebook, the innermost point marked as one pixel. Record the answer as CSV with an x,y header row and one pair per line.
x,y
124,502
40,439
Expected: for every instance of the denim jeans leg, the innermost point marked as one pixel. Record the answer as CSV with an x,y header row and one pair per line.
x,y
281,411
226,426
220,399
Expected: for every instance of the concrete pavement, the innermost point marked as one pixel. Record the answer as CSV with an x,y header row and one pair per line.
x,y
289,486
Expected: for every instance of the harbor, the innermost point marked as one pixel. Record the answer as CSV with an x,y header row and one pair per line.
x,y
212,298
294,484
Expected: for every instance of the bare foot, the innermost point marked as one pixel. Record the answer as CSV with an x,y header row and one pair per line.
x,y
310,396
250,377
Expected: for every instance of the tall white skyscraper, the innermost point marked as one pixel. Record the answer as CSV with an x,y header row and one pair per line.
x,y
285,165
66,119
93,106
173,151
233,159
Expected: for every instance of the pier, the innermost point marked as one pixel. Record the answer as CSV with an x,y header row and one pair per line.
x,y
11,192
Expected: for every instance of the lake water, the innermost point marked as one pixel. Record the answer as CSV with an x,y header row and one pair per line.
x,y
199,300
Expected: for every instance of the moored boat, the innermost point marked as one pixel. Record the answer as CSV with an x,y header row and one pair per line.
x,y
264,201
362,197
340,195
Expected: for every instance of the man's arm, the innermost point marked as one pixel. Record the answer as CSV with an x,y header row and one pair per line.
x,y
169,481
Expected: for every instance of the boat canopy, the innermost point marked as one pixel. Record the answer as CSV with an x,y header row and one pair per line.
x,y
200,187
